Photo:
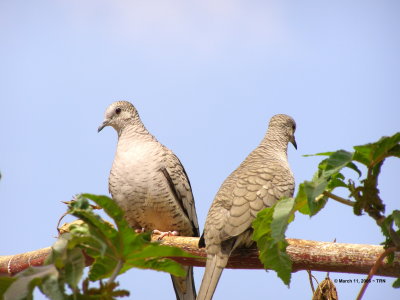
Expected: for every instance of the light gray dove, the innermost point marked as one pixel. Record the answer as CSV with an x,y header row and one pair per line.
x,y
261,180
149,183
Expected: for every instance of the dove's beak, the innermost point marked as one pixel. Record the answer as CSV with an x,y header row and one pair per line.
x,y
293,141
104,124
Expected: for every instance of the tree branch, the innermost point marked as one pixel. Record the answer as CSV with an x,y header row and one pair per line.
x,y
338,199
306,255
373,271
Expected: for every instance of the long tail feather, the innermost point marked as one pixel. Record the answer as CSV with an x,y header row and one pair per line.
x,y
184,286
214,267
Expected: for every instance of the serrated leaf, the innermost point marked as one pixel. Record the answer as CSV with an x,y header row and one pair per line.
x,y
372,153
283,211
273,250
335,181
387,146
159,264
127,240
88,237
58,251
334,163
103,229
153,256
124,245
328,177
27,280
74,267
103,267
156,250
52,287
111,208
262,224
275,258
337,161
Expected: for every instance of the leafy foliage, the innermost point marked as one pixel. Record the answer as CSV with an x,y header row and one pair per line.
x,y
114,250
271,223
269,233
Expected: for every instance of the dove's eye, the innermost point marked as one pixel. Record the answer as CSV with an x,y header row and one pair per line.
x,y
117,110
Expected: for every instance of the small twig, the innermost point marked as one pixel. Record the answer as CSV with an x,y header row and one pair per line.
x,y
338,199
59,221
311,276
373,270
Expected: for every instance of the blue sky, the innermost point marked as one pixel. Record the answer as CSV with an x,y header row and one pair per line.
x,y
205,76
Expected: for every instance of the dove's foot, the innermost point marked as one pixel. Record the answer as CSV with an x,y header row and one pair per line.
x,y
165,233
139,230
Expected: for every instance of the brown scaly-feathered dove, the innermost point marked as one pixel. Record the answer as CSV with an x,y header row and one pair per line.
x,y
261,180
149,183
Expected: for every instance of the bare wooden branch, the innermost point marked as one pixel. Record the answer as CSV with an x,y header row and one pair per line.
x,y
339,199
306,255
12,264
373,270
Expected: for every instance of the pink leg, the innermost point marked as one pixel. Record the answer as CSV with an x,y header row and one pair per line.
x,y
139,230
165,233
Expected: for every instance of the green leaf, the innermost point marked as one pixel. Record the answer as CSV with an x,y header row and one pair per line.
x,y
387,146
58,253
273,250
283,212
301,202
319,154
335,181
373,153
336,161
52,287
5,283
313,189
27,280
103,267
276,258
262,224
110,247
157,250
396,283
396,217
82,210
111,208
354,167
158,264
327,178
74,267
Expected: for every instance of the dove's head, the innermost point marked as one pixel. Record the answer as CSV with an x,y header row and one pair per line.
x,y
282,128
119,114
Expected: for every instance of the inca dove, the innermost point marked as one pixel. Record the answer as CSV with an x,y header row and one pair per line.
x,y
150,184
261,179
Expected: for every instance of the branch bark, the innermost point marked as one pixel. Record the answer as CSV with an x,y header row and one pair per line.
x,y
306,255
